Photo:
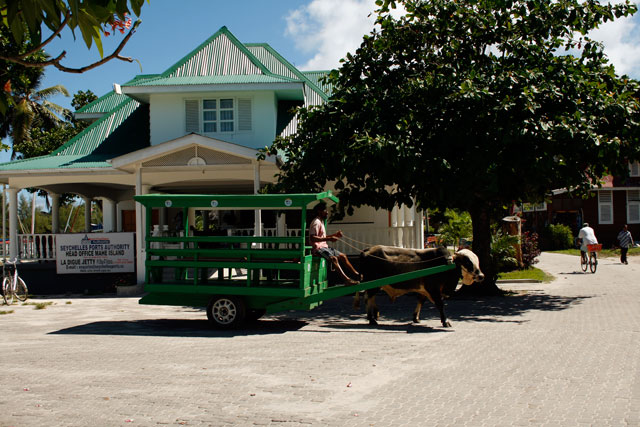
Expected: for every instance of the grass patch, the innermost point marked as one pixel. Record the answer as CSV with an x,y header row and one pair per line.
x,y
530,273
6,312
39,305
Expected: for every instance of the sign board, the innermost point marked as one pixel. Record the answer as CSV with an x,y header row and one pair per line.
x,y
95,253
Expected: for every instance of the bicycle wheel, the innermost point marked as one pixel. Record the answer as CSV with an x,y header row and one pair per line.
x,y
593,263
21,289
584,262
7,293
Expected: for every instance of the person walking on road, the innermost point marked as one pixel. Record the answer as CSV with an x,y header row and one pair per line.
x,y
625,240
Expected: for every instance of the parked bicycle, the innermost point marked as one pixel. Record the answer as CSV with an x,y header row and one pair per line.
x,y
13,287
590,261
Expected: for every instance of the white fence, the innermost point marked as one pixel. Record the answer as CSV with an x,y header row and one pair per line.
x,y
36,247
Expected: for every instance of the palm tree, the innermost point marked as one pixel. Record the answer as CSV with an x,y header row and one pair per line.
x,y
26,106
33,107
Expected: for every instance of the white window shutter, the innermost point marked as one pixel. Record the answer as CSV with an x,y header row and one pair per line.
x,y
633,206
192,115
634,213
244,114
605,206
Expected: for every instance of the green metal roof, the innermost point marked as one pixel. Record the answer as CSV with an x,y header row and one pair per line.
x,y
111,100
316,77
204,60
282,201
124,130
58,162
209,80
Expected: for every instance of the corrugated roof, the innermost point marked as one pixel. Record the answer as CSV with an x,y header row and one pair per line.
x,y
208,80
111,100
58,162
316,77
274,64
220,54
124,130
278,65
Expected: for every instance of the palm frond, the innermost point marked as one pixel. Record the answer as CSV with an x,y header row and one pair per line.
x,y
51,91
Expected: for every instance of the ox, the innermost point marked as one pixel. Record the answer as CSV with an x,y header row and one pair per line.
x,y
383,261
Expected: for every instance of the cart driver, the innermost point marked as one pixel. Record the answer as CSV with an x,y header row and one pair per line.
x,y
319,247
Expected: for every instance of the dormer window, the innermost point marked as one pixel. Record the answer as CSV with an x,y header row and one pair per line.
x,y
634,169
218,115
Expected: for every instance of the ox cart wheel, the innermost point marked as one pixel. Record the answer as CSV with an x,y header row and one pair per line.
x,y
226,312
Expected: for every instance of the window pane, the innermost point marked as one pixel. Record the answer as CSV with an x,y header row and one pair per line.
x,y
210,127
226,103
226,115
209,116
226,127
209,104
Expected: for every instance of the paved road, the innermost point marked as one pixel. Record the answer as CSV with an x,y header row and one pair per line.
x,y
558,354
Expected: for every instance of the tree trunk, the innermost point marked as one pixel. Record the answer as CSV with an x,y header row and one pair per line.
x,y
481,221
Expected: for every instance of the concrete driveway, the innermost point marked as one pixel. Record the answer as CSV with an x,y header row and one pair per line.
x,y
564,353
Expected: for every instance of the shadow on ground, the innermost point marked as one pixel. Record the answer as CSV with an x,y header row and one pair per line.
x,y
338,315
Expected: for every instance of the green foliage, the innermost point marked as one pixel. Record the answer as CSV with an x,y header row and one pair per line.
x,y
90,17
23,22
458,226
469,105
503,252
45,139
558,237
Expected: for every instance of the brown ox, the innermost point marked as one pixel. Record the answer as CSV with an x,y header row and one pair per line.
x,y
383,261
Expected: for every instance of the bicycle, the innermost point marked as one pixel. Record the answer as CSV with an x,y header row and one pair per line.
x,y
12,285
592,261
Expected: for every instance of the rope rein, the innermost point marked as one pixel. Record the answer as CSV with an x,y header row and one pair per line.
x,y
449,259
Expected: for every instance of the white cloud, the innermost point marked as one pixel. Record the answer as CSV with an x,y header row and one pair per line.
x,y
620,39
328,29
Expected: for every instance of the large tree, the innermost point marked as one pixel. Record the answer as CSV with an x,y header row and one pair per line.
x,y
469,104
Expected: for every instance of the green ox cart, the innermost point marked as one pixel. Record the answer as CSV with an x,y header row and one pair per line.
x,y
239,278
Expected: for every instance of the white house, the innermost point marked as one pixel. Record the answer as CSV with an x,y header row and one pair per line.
x,y
194,128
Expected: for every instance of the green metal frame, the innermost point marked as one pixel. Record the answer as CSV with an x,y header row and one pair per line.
x,y
281,273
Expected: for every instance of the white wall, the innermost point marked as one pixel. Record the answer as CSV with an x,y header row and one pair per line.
x,y
167,117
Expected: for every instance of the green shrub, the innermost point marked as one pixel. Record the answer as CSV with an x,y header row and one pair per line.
x,y
503,253
559,236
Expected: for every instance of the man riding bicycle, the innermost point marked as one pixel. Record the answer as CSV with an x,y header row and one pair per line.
x,y
587,236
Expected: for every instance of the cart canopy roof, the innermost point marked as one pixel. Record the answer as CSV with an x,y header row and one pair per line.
x,y
235,201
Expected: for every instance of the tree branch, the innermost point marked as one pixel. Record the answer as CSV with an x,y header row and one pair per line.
x,y
47,41
56,61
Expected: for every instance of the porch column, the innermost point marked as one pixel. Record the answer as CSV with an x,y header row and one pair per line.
x,y
140,227
13,222
108,215
256,188
55,213
87,213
